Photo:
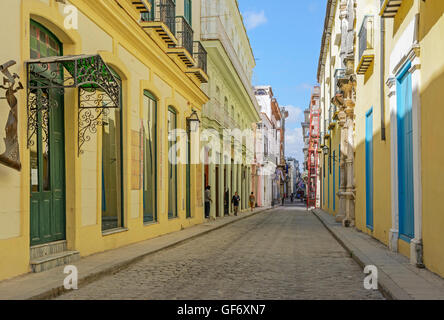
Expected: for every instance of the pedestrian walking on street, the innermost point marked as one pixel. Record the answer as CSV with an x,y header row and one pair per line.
x,y
226,201
252,201
292,197
235,202
208,201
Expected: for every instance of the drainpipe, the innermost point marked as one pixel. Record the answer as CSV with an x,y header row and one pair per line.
x,y
382,78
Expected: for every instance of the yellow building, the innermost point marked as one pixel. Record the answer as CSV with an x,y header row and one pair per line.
x,y
430,36
389,105
232,110
332,69
85,164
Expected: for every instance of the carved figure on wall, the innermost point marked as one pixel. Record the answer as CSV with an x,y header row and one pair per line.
x,y
11,156
348,88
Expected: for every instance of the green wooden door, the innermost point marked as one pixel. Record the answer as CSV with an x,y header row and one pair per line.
x,y
188,178
47,154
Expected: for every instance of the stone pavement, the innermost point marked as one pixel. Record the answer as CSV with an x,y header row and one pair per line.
x,y
50,283
398,279
284,253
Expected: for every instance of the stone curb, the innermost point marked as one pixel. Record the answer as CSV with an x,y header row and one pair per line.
x,y
386,285
121,265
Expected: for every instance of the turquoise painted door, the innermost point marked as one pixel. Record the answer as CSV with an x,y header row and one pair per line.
x,y
369,168
47,152
405,155
188,178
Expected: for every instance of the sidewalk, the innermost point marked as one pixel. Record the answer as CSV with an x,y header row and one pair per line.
x,y
49,284
397,278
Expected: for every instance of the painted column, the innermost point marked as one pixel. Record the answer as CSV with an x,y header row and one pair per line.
x,y
234,182
341,210
416,247
221,186
394,231
239,182
212,183
228,166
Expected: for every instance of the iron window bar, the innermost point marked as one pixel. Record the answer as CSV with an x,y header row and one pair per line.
x,y
98,90
162,11
200,55
184,34
365,38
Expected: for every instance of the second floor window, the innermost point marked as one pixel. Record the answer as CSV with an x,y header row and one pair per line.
x,y
188,9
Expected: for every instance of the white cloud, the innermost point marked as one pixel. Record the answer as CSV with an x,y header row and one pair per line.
x,y
254,19
295,115
304,86
294,144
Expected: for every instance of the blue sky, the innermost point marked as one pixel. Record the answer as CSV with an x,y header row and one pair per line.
x,y
286,37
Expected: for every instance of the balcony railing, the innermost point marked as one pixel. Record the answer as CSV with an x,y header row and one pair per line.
x,y
162,11
365,44
331,116
339,74
212,29
200,55
184,34
389,8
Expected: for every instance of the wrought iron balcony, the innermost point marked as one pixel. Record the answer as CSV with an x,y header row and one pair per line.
x,y
162,19
184,47
332,116
366,54
137,9
339,74
389,8
200,57
184,34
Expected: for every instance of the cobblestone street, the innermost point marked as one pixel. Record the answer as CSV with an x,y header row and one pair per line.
x,y
284,253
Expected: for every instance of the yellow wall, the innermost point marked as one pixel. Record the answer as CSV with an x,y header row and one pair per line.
x,y
367,85
142,65
432,136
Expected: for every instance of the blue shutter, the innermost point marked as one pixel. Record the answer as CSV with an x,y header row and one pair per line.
x,y
405,155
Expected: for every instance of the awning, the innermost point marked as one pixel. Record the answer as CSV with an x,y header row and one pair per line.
x,y
99,90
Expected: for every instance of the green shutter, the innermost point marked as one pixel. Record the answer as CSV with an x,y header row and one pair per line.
x,y
188,9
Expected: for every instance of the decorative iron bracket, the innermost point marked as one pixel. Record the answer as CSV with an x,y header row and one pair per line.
x,y
98,90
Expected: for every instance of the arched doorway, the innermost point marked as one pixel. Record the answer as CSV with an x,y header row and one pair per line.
x,y
47,147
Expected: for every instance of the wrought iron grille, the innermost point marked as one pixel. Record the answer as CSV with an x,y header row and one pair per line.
x,y
200,55
365,35
162,11
98,90
184,34
339,74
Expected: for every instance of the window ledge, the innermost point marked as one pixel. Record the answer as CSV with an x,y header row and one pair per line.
x,y
114,231
147,224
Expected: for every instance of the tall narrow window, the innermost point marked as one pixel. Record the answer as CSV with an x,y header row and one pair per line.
x,y
172,168
112,206
188,9
149,133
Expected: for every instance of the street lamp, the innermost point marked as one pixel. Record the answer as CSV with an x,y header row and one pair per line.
x,y
193,122
325,149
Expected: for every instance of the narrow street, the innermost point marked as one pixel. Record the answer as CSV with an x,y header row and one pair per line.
x,y
285,253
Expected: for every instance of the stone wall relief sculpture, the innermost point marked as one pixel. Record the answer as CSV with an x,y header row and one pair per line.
x,y
11,156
